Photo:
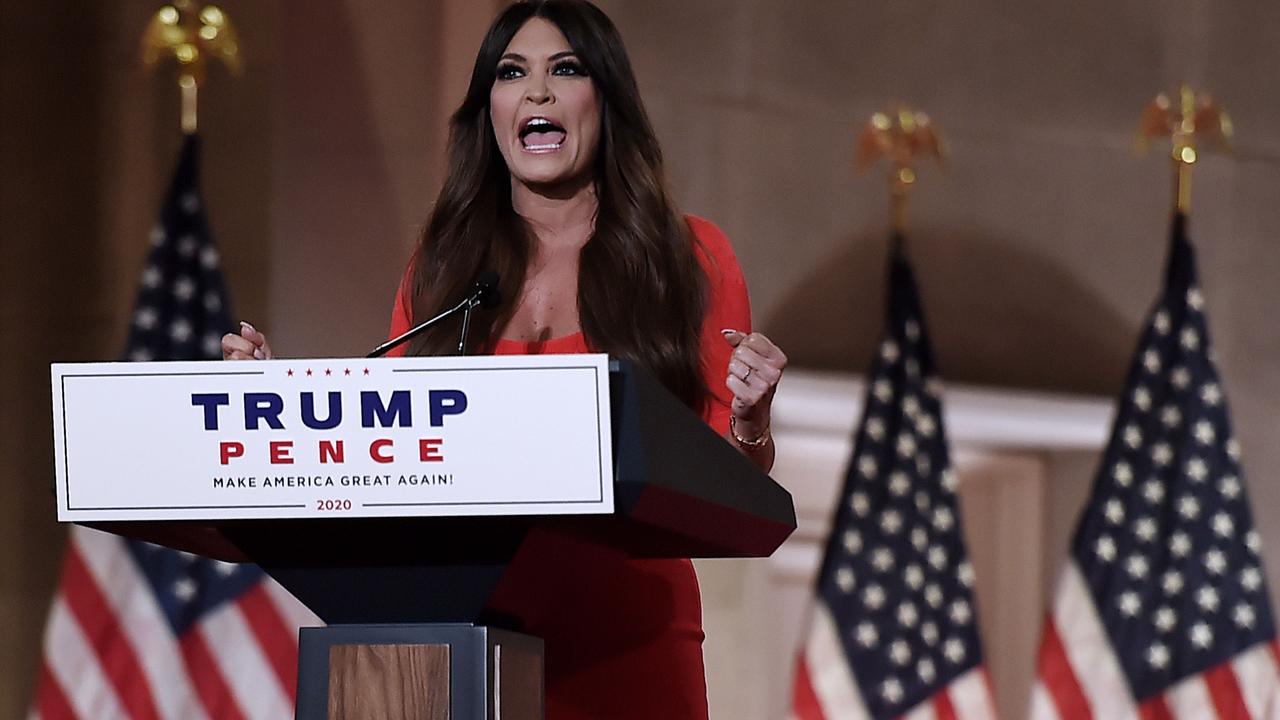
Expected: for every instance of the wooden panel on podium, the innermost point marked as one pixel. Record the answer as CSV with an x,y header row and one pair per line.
x,y
389,682
418,672
517,682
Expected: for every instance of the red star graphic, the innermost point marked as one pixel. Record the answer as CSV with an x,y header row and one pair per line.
x,y
327,372
308,372
346,371
290,373
366,371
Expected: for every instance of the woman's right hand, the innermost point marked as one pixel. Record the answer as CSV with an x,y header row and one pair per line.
x,y
249,344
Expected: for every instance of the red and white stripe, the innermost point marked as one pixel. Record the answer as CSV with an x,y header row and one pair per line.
x,y
109,652
824,687
1080,676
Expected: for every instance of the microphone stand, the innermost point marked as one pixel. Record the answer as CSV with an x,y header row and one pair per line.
x,y
485,293
418,329
469,305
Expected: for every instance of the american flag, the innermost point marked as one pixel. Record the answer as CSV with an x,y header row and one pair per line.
x,y
894,628
1162,610
139,631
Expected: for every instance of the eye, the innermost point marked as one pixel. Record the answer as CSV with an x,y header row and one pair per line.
x,y
569,68
509,71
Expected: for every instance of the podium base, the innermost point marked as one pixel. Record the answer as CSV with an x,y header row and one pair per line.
x,y
418,672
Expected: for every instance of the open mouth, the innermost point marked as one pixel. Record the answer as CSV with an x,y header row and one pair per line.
x,y
538,134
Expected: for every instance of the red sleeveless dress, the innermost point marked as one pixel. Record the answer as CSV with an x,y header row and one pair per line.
x,y
623,637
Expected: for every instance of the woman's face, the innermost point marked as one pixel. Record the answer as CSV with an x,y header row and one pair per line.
x,y
545,110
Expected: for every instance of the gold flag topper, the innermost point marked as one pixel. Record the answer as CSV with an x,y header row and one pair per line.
x,y
902,136
191,33
1197,116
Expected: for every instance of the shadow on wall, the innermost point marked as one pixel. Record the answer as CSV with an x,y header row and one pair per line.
x,y
338,249
53,288
996,314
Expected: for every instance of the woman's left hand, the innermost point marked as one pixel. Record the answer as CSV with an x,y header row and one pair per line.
x,y
755,367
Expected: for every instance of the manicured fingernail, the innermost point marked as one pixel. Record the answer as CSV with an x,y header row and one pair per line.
x,y
246,326
258,354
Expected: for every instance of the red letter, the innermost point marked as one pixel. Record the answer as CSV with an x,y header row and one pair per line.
x,y
280,452
230,449
376,446
331,450
429,449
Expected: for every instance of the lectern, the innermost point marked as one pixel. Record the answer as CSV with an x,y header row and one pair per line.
x,y
403,574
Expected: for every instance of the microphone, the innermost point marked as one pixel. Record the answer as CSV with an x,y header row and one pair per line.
x,y
484,292
486,288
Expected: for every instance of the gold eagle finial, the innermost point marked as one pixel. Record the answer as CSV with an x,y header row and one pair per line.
x,y
901,135
1196,117
191,34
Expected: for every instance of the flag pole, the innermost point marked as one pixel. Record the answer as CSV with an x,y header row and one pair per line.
x,y
1195,116
190,33
885,638
1163,601
900,135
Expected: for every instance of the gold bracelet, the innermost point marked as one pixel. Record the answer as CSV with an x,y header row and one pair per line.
x,y
758,442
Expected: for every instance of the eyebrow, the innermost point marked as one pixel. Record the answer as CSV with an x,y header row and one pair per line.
x,y
558,56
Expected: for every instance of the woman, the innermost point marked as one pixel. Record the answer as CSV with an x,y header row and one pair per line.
x,y
556,182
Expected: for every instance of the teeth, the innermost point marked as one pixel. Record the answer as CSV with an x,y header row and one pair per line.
x,y
539,124
536,124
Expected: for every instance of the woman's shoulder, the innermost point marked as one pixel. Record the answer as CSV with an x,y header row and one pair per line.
x,y
728,286
711,241
705,231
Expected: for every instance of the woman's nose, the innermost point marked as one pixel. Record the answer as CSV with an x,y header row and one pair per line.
x,y
537,92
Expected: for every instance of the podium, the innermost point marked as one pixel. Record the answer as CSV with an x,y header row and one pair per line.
x,y
407,596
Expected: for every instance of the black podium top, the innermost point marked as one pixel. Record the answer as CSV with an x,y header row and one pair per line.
x,y
680,491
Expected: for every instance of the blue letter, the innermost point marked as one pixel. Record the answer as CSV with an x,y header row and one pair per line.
x,y
397,408
445,402
210,402
263,406
309,411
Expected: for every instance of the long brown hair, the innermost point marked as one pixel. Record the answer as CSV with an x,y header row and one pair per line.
x,y
641,291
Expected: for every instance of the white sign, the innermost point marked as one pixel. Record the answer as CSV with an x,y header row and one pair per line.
x,y
500,435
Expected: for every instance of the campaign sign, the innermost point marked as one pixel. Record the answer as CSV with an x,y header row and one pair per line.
x,y
503,435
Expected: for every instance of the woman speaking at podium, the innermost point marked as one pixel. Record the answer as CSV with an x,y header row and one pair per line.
x,y
555,181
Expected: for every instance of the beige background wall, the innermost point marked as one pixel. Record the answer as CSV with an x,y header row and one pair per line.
x,y
1038,250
